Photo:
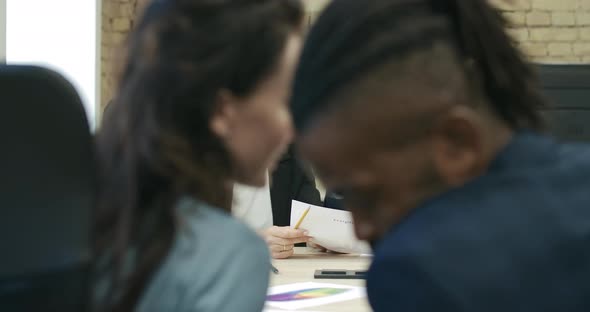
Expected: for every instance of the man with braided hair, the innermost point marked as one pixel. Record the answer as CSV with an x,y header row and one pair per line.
x,y
425,117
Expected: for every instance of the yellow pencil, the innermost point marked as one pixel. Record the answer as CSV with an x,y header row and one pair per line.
x,y
302,217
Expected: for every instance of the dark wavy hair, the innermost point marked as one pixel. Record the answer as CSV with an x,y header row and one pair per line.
x,y
155,144
352,39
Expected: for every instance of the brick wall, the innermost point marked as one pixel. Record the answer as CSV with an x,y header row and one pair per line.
x,y
550,31
117,19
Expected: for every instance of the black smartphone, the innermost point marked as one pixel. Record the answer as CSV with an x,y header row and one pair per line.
x,y
339,274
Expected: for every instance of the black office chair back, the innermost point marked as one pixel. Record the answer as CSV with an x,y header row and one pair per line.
x,y
47,191
568,89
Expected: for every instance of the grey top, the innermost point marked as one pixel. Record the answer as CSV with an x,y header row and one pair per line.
x,y
216,264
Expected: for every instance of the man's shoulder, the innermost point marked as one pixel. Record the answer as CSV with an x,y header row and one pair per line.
x,y
574,156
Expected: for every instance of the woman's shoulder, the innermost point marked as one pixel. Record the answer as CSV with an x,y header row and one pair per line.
x,y
210,245
207,233
201,221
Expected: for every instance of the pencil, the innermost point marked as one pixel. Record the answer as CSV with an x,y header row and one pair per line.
x,y
302,217
274,269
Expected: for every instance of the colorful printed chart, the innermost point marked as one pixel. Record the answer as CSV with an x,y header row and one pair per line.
x,y
303,295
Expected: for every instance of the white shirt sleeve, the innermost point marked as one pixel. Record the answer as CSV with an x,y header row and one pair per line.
x,y
252,206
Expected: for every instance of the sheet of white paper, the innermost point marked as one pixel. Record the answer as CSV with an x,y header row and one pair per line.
x,y
305,295
330,228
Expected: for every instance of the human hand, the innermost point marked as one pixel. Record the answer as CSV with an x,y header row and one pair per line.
x,y
321,248
282,240
316,247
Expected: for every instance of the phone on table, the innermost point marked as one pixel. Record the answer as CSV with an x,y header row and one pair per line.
x,y
340,274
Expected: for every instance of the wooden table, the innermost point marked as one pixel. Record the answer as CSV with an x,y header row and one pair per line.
x,y
302,265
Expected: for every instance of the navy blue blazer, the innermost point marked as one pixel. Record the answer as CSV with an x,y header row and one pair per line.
x,y
514,239
291,181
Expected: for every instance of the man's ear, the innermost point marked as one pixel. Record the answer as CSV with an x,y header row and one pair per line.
x,y
458,146
224,114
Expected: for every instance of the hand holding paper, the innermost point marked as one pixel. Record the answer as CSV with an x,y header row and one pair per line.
x,y
330,228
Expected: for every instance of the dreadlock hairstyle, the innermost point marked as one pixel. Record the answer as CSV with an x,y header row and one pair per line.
x,y
155,144
352,38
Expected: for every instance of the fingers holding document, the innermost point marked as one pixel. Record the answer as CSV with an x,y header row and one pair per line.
x,y
281,240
